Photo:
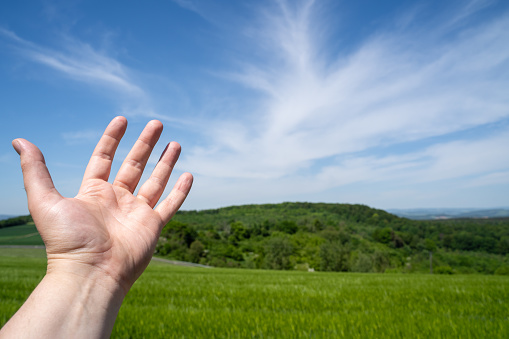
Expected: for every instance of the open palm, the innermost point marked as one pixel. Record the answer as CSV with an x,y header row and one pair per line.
x,y
105,227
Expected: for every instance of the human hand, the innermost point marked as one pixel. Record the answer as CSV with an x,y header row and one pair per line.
x,y
105,232
99,242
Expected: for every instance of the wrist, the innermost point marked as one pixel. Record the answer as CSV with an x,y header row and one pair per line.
x,y
93,277
89,301
69,303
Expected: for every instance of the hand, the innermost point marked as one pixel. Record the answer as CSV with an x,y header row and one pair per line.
x,y
105,227
99,242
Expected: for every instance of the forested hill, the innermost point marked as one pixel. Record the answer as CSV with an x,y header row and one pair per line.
x,y
331,237
334,237
15,221
301,213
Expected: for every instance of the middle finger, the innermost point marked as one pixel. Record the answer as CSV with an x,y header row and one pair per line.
x,y
132,168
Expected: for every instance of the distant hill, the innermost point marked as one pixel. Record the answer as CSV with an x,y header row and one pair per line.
x,y
6,216
15,221
333,237
450,213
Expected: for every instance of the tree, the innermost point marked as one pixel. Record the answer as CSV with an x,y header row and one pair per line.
x,y
383,235
279,250
430,246
195,251
181,231
380,261
503,246
287,226
238,232
334,257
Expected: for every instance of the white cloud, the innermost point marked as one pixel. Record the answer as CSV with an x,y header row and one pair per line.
x,y
445,161
6,158
210,11
79,61
428,177
391,90
187,4
86,136
315,120
497,178
469,8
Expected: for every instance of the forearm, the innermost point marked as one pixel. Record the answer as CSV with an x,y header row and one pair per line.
x,y
68,305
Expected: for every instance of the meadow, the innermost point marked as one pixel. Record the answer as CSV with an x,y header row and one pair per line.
x,y
26,234
183,302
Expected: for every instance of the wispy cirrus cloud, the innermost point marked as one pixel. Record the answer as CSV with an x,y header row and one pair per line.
x,y
6,158
299,108
491,179
211,11
83,136
443,161
395,88
322,119
380,180
78,61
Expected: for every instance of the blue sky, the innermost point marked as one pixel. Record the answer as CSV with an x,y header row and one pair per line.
x,y
393,104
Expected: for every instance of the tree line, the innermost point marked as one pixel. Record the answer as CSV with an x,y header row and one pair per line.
x,y
330,237
22,220
334,237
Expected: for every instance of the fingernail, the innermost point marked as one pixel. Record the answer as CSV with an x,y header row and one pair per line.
x,y
17,146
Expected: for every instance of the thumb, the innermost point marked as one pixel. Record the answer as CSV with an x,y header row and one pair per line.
x,y
36,177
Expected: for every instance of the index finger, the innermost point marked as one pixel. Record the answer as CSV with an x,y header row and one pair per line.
x,y
99,166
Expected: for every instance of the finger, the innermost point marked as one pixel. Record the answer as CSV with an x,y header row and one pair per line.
x,y
169,206
154,187
36,177
99,166
132,168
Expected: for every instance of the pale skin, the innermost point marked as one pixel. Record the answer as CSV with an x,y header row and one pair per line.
x,y
99,242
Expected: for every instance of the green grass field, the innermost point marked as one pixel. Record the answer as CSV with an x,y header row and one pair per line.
x,y
20,235
182,302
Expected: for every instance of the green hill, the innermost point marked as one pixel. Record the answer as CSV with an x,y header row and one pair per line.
x,y
25,235
15,221
324,237
333,237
